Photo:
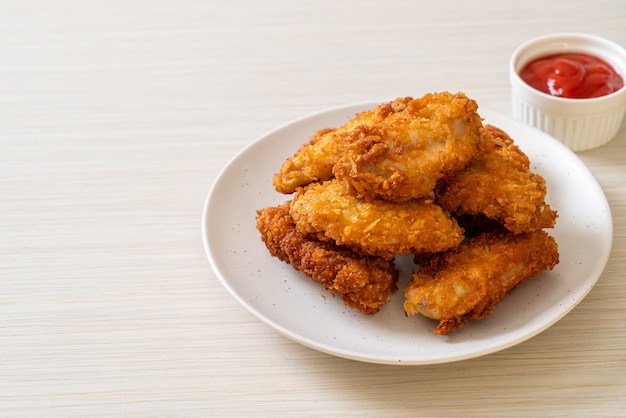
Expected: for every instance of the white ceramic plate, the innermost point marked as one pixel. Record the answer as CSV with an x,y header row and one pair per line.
x,y
300,308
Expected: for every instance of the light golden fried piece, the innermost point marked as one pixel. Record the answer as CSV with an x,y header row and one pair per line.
x,y
469,281
376,227
311,162
364,283
396,151
499,184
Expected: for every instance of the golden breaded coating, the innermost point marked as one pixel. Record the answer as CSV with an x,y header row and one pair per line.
x,y
469,281
499,184
414,176
376,227
363,282
314,161
396,151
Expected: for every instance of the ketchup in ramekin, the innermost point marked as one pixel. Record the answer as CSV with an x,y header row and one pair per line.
x,y
572,75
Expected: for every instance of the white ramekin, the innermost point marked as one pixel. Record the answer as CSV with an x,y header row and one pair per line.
x,y
581,124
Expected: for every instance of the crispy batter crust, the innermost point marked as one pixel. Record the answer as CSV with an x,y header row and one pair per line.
x,y
468,282
499,184
374,227
363,282
396,151
414,176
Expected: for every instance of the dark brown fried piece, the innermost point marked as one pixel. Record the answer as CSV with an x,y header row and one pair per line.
x,y
469,281
363,282
499,184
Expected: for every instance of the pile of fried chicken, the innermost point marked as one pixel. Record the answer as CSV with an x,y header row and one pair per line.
x,y
419,177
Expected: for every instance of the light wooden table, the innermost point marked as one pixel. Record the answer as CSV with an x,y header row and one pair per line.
x,y
115,119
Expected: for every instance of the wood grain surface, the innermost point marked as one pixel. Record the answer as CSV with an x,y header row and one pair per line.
x,y
115,119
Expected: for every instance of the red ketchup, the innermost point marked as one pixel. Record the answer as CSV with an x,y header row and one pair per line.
x,y
572,75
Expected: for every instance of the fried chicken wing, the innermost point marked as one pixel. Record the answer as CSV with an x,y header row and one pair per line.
x,y
396,151
314,161
413,176
499,184
469,281
364,283
376,227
